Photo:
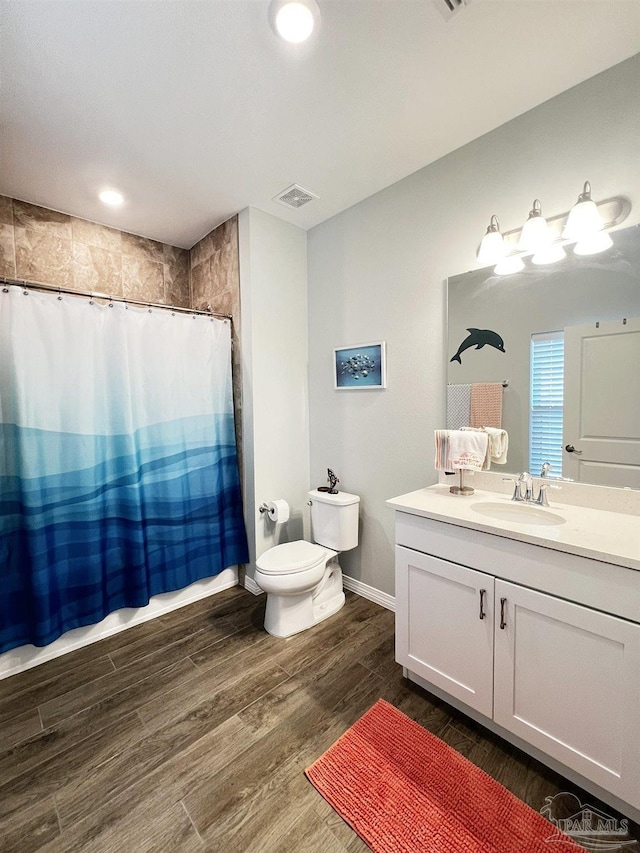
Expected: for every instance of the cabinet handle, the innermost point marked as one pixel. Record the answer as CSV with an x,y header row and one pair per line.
x,y
503,617
483,592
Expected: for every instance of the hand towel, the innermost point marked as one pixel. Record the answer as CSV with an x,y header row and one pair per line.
x,y
498,445
442,449
486,405
458,406
468,449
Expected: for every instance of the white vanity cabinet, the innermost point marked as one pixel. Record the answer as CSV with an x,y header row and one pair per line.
x,y
539,663
444,626
567,681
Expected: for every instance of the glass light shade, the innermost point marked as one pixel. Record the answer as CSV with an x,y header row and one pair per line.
x,y
111,197
599,242
492,248
549,255
509,266
583,221
535,234
294,22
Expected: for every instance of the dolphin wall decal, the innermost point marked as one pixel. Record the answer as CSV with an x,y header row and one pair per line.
x,y
479,338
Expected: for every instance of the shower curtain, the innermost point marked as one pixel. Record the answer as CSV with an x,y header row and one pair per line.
x,y
118,466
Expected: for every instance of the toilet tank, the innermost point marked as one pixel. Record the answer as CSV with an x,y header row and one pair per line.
x,y
334,519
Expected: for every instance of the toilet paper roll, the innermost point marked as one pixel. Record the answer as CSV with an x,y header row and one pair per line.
x,y
278,511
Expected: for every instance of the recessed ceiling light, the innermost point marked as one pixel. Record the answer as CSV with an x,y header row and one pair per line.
x,y
111,197
294,20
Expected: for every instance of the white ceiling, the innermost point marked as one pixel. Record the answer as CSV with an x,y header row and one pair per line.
x,y
194,109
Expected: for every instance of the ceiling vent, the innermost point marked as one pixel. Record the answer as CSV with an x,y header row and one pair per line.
x,y
448,8
295,196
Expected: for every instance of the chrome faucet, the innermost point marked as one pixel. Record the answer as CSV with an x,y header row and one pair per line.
x,y
546,467
525,482
523,490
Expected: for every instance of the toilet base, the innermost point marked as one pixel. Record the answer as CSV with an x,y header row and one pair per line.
x,y
287,615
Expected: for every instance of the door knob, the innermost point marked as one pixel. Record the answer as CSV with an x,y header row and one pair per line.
x,y
571,449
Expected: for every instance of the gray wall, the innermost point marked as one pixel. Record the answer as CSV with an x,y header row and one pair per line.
x,y
378,270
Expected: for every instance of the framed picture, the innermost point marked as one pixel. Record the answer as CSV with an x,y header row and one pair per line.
x,y
361,367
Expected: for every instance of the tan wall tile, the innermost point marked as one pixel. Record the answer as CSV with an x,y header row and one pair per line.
x,y
93,234
44,257
202,250
50,222
7,252
177,288
201,287
142,279
96,269
173,255
142,247
6,210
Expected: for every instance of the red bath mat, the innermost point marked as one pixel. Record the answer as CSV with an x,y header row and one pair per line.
x,y
405,791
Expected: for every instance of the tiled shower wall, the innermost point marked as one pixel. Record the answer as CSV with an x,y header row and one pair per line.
x,y
41,245
215,284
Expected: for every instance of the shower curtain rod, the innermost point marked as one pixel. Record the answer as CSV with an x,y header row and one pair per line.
x,y
94,294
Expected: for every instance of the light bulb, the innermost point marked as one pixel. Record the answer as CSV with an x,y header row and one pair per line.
x,y
111,197
294,21
549,255
509,266
593,245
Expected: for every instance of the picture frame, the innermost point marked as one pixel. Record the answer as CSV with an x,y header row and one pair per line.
x,y
361,367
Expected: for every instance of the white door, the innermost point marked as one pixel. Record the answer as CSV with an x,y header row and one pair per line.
x,y
567,680
602,403
444,626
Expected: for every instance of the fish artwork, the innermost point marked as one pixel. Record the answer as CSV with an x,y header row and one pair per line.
x,y
479,338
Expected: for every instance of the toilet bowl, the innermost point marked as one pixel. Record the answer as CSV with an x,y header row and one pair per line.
x,y
303,583
303,580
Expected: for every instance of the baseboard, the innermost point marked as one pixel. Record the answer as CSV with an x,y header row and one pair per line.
x,y
26,657
252,586
369,592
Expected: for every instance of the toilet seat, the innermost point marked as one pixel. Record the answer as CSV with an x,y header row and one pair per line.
x,y
291,557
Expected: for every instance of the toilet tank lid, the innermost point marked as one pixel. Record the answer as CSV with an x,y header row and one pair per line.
x,y
341,499
291,557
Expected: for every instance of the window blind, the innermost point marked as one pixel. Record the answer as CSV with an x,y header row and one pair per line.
x,y
546,406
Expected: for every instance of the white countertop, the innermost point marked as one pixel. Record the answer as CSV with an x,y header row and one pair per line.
x,y
612,537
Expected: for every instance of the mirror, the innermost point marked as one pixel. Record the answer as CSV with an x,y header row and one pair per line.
x,y
576,325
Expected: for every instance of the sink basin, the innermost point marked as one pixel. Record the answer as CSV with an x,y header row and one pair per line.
x,y
518,513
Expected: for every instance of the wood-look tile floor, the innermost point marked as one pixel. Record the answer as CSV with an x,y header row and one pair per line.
x,y
191,733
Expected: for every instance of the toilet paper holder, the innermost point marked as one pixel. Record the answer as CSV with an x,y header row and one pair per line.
x,y
276,511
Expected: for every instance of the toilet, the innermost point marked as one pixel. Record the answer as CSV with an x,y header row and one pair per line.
x,y
303,580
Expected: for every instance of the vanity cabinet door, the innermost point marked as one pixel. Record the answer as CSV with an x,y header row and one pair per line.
x,y
567,681
440,634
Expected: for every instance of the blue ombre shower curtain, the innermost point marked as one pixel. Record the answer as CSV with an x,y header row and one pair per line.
x,y
118,466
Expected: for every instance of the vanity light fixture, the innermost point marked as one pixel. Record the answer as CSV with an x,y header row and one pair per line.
x,y
584,220
492,247
544,241
294,20
535,233
111,197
